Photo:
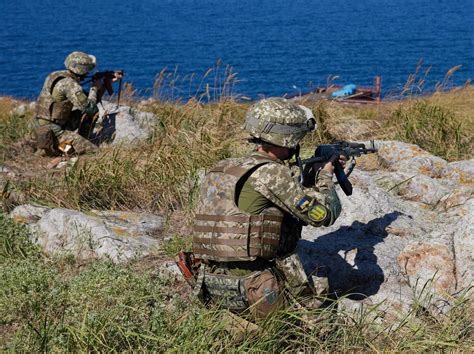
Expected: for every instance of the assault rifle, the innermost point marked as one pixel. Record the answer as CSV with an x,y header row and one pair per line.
x,y
107,77
330,153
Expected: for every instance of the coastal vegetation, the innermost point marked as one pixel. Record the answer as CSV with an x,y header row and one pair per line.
x,y
67,304
63,304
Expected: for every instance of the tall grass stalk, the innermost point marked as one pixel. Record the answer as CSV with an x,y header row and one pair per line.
x,y
216,84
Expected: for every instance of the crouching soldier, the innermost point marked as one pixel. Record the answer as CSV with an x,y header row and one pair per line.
x,y
251,213
63,111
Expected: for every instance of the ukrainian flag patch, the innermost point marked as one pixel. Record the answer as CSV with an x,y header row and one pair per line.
x,y
318,213
304,203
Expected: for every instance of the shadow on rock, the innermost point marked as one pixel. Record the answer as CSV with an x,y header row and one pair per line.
x,y
346,257
108,130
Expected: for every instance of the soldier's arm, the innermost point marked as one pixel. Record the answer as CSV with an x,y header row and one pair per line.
x,y
325,190
315,206
74,93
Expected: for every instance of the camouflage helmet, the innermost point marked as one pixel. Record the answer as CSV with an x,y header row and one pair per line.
x,y
80,63
279,122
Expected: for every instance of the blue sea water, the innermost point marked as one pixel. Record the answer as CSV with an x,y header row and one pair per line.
x,y
275,46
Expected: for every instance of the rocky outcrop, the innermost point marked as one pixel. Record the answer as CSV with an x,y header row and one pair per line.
x,y
405,235
424,263
119,236
123,125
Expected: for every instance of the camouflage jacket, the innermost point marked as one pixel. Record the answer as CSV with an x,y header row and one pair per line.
x,y
60,94
315,206
69,89
219,236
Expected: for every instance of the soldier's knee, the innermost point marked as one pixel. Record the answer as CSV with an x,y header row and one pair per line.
x,y
291,270
263,292
46,140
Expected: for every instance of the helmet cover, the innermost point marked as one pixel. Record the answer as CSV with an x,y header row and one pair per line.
x,y
80,63
279,121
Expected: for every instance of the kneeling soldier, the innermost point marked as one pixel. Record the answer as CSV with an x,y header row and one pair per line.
x,y
252,210
64,113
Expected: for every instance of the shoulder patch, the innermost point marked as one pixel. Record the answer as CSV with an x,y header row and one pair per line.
x,y
318,213
304,203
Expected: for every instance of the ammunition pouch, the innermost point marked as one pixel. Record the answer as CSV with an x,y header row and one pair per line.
x,y
258,291
226,290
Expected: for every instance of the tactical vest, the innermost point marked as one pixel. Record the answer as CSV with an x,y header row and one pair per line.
x,y
223,232
49,109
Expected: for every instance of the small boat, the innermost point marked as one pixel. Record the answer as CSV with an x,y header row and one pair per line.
x,y
349,94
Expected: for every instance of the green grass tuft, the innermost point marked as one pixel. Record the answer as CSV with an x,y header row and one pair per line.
x,y
434,128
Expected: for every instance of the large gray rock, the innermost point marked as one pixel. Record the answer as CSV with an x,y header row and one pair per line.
x,y
406,234
119,236
123,125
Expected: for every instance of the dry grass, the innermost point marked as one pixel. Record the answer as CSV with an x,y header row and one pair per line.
x,y
158,175
48,305
14,124
162,174
442,123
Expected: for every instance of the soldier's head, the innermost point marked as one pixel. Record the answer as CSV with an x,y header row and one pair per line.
x,y
279,122
80,63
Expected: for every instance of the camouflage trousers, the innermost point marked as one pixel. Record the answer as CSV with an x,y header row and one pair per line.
x,y
50,136
261,292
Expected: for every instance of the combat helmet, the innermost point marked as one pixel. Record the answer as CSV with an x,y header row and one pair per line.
x,y
80,63
279,122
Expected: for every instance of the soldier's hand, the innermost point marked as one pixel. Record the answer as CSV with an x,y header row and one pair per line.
x,y
117,75
329,167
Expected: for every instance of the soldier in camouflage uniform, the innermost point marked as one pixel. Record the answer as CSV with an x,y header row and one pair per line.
x,y
62,105
252,210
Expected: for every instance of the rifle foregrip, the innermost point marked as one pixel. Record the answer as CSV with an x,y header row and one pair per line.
x,y
341,177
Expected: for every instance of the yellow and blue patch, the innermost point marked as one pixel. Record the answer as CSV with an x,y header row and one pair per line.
x,y
318,213
304,203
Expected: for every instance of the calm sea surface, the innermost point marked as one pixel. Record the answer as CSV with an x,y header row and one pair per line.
x,y
275,46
